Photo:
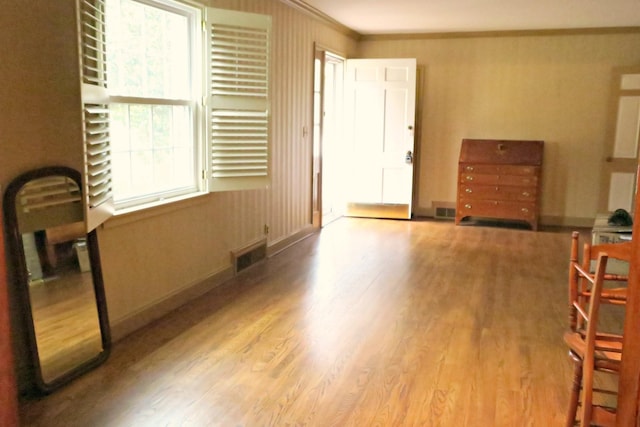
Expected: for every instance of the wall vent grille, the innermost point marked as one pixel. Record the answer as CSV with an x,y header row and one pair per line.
x,y
245,258
445,213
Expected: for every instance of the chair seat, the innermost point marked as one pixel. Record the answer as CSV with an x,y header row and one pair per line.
x,y
608,349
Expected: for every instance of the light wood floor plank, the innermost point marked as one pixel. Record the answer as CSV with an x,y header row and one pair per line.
x,y
370,322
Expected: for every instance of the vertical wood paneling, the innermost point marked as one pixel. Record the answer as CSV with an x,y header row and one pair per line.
x,y
151,256
185,245
294,33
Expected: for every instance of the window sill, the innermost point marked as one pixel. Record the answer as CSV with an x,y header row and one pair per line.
x,y
149,210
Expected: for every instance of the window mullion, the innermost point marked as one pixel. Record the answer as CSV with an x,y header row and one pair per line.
x,y
150,101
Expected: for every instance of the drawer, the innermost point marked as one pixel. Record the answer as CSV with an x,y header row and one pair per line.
x,y
499,169
496,151
518,180
497,192
497,209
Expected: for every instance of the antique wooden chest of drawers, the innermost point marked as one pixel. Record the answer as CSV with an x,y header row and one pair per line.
x,y
499,179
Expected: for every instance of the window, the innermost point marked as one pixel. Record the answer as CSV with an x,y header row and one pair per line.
x,y
152,54
167,113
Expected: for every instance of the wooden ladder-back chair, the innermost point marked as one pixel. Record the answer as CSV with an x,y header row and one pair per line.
x,y
578,287
590,349
580,290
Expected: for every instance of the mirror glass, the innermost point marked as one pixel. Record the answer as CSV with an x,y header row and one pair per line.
x,y
59,275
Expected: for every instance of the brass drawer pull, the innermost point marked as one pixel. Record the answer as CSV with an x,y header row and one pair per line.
x,y
469,178
468,190
468,206
525,210
526,193
469,168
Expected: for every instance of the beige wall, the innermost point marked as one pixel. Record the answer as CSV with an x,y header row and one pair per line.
x,y
150,257
554,88
39,104
39,90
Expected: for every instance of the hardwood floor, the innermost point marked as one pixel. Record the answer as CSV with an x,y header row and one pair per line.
x,y
370,322
65,319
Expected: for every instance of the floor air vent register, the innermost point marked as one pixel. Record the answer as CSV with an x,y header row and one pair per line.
x,y
249,256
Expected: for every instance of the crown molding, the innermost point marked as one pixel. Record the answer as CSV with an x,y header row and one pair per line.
x,y
323,17
502,33
302,6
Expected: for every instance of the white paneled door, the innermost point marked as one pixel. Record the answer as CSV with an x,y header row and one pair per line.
x,y
619,178
380,99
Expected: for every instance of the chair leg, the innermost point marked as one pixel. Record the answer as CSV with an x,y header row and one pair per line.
x,y
575,392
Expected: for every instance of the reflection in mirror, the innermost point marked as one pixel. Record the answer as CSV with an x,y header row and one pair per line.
x,y
58,275
63,303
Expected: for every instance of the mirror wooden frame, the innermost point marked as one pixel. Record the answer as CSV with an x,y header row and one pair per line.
x,y
21,281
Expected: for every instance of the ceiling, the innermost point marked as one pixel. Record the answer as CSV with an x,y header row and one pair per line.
x,y
437,16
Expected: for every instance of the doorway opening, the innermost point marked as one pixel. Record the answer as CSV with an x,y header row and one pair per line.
x,y
328,91
363,137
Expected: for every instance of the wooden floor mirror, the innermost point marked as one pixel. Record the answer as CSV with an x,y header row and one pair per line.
x,y
57,276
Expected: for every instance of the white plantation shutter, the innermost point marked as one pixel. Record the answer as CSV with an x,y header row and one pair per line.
x,y
48,202
238,99
45,193
97,154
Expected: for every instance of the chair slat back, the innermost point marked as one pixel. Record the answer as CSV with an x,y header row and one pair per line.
x,y
580,286
590,339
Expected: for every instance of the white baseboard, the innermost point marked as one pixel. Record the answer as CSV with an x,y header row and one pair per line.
x,y
125,326
283,244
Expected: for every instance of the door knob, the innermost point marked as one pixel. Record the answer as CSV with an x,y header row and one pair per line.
x,y
408,158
